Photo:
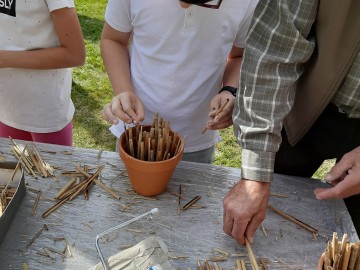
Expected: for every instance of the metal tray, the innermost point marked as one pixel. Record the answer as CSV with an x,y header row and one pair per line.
x,y
6,172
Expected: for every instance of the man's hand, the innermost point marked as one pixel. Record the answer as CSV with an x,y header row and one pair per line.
x,y
224,118
125,106
245,208
344,176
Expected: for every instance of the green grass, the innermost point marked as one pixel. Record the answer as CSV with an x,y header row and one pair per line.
x,y
91,87
92,90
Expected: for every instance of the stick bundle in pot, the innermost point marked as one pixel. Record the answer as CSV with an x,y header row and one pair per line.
x,y
340,255
152,143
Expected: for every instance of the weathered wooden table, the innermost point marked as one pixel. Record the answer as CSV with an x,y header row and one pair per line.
x,y
189,234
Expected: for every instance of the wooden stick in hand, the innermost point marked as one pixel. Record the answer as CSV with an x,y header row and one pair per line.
x,y
216,113
253,261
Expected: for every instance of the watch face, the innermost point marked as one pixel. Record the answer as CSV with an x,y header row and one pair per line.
x,y
7,7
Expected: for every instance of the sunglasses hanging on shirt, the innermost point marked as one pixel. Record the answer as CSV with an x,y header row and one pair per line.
x,y
204,3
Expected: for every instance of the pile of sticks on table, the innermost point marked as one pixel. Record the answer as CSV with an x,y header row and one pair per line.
x,y
79,185
31,160
340,255
152,143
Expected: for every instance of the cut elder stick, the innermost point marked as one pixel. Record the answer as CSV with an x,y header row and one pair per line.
x,y
126,134
56,206
44,227
3,193
242,262
131,147
89,180
2,209
65,188
216,266
221,251
346,257
238,265
343,244
353,256
82,187
17,150
107,189
98,182
327,263
190,203
199,265
142,149
264,230
294,220
216,113
208,266
40,161
70,191
263,263
18,163
149,149
336,261
139,142
330,252
33,210
253,261
155,123
334,244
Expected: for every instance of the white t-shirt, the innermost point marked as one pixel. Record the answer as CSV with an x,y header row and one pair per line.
x,y
178,57
33,100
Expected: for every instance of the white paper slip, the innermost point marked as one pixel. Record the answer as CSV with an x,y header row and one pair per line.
x,y
117,129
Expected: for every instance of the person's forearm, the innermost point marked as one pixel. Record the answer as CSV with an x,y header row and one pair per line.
x,y
231,73
232,68
50,58
117,64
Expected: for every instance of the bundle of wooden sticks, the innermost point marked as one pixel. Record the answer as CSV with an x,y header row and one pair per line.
x,y
152,143
31,160
340,255
6,195
79,185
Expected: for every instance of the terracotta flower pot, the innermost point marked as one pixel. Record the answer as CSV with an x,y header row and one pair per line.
x,y
149,178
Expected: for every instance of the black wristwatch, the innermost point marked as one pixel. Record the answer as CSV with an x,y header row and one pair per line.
x,y
231,89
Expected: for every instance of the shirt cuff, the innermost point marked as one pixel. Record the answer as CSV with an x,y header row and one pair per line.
x,y
257,166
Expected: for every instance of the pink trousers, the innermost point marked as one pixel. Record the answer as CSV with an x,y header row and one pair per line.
x,y
62,137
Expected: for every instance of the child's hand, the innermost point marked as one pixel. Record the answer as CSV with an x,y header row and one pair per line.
x,y
125,106
221,119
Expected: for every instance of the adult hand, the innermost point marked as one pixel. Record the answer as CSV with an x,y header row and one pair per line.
x,y
245,208
224,118
344,176
125,106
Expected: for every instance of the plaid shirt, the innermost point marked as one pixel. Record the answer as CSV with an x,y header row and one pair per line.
x,y
278,45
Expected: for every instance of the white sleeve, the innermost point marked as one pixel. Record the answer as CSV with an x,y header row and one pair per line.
x,y
57,4
245,24
118,15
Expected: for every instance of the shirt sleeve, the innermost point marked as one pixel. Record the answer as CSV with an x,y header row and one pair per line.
x,y
278,45
58,4
118,15
245,23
